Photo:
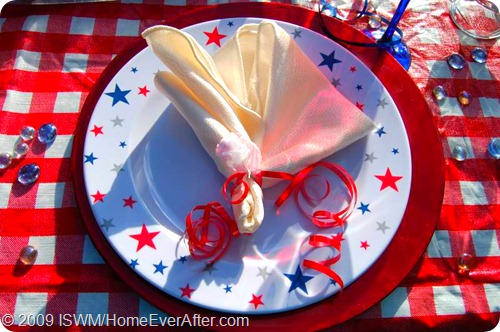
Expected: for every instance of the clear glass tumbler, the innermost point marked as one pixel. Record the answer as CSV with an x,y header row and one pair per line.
x,y
477,18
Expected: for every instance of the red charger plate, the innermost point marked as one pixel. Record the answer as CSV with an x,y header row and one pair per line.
x,y
419,220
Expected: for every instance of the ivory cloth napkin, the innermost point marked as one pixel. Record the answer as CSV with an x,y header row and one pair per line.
x,y
259,103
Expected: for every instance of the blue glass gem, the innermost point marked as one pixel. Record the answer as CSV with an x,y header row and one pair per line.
x,y
28,174
47,133
494,148
328,8
27,133
5,160
456,61
479,55
459,153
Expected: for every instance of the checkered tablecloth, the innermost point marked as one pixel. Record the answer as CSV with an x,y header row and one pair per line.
x,y
50,58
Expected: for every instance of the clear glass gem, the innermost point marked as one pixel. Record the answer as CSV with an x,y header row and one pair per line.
x,y
456,61
479,55
439,92
28,255
465,263
375,21
27,133
494,148
28,174
47,133
464,98
5,160
20,150
459,153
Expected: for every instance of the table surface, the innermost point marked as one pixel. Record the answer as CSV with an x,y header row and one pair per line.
x,y
51,57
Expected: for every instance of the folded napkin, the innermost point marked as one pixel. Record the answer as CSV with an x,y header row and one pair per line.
x,y
258,104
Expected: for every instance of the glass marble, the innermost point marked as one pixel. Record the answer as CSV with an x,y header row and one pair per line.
x,y
456,61
28,255
465,263
27,133
375,21
327,7
20,150
28,174
5,160
47,133
494,148
479,55
459,153
464,98
439,92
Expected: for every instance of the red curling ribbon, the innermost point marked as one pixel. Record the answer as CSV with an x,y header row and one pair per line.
x,y
232,184
325,269
323,266
309,199
209,235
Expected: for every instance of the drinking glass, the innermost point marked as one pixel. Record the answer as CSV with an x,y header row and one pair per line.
x,y
477,18
388,36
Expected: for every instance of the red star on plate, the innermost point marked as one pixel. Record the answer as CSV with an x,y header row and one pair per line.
x,y
145,238
352,69
97,131
214,37
98,197
388,180
256,301
129,202
144,91
360,106
364,245
186,291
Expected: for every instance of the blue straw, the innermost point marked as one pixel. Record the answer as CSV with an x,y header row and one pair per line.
x,y
391,28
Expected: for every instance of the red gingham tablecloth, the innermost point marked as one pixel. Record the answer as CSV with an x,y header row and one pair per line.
x,y
50,58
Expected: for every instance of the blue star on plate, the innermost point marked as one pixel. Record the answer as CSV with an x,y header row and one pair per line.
x,y
380,132
159,267
123,144
359,87
395,151
118,95
134,70
90,158
134,263
228,289
297,33
364,207
329,60
183,259
107,223
230,23
298,280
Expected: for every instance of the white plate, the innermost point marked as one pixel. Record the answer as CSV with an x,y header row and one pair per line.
x,y
146,161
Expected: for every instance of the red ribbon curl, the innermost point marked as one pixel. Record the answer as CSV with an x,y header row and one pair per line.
x,y
320,241
209,235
